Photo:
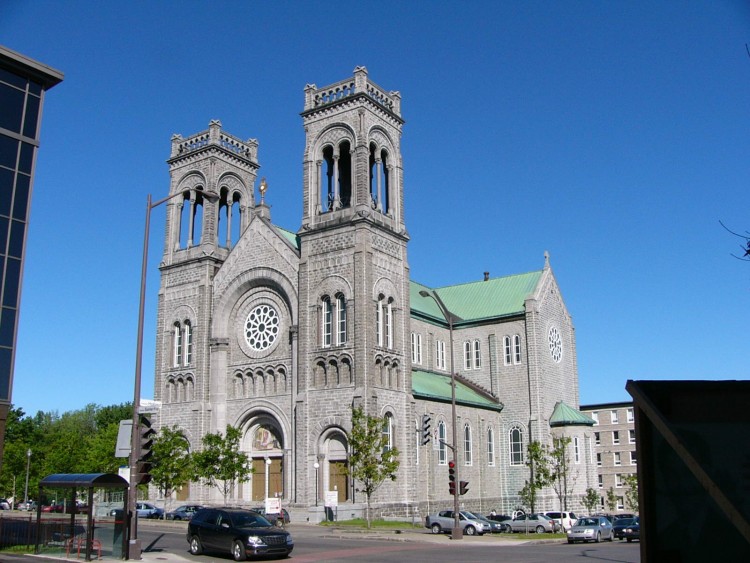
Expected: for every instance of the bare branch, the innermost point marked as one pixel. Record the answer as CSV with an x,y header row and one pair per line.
x,y
745,249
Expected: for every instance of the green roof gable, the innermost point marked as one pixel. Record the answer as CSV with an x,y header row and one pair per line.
x,y
293,238
477,301
437,387
565,415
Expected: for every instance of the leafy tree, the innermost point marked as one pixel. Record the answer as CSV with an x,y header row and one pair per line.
x,y
631,495
611,500
590,500
220,463
171,462
559,467
537,460
371,461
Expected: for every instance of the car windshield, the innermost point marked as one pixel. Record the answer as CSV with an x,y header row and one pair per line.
x,y
626,521
249,520
587,522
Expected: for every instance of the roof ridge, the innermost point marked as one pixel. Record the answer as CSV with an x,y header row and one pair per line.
x,y
489,280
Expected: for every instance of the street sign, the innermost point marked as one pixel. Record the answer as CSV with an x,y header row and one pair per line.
x,y
124,434
332,499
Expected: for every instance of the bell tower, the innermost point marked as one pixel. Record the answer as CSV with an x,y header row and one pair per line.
x,y
354,274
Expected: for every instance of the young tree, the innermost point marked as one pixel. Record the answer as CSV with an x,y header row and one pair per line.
x,y
372,460
590,500
559,467
631,495
537,460
171,462
611,500
220,463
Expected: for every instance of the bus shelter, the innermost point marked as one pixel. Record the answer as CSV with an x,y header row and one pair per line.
x,y
72,537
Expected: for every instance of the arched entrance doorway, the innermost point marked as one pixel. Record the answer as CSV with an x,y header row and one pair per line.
x,y
267,458
338,464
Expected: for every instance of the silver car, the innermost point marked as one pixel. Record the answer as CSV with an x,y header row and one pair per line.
x,y
443,522
538,523
591,528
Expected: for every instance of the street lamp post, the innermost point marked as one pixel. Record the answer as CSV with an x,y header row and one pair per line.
x,y
26,488
316,465
268,467
135,437
457,533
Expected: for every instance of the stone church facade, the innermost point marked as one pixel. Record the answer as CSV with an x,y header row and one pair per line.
x,y
280,333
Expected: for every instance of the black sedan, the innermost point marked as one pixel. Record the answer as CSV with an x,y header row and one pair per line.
x,y
619,526
633,532
237,532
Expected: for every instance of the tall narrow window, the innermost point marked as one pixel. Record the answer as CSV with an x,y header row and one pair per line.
x,y
614,417
177,356
327,321
440,354
601,481
576,450
595,417
490,447
618,461
416,348
477,354
599,460
389,325
379,320
188,343
516,446
631,436
442,450
341,319
387,432
467,355
506,346
516,349
631,416
615,437
467,445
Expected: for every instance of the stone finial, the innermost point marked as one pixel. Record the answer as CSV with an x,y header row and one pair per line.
x,y
360,79
546,260
213,129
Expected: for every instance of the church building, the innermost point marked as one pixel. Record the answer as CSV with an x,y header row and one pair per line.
x,y
280,333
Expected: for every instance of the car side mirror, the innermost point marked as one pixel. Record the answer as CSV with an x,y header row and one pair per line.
x,y
225,524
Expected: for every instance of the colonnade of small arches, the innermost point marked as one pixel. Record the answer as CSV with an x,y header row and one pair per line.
x,y
261,382
179,389
333,371
387,372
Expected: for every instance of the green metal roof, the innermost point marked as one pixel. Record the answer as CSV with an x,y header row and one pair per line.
x,y
476,301
565,415
289,235
437,387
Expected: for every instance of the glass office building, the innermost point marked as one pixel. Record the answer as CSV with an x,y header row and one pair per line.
x,y
23,83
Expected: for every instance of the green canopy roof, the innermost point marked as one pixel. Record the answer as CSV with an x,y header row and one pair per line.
x,y
477,301
565,415
437,387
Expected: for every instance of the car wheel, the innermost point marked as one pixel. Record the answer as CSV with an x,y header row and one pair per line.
x,y
195,546
539,529
630,540
470,531
571,541
435,529
238,551
598,537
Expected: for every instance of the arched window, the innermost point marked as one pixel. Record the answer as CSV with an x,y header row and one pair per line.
x,y
442,449
416,348
440,354
477,354
490,447
387,432
187,332
467,445
379,320
389,324
467,355
516,446
177,346
516,349
327,321
508,354
340,319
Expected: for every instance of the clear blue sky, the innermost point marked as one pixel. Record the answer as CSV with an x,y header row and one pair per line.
x,y
615,135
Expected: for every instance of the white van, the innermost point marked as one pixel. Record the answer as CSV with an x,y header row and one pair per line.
x,y
565,519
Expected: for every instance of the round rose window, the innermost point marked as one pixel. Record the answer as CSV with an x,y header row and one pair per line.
x,y
262,327
555,344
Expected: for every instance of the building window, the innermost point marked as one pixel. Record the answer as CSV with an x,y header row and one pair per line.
x,y
490,447
477,355
188,343
340,319
416,348
633,458
601,481
440,354
620,503
387,432
631,417
576,450
617,458
508,355
597,438
177,345
631,436
327,321
516,446
467,445
614,417
442,449
615,437
379,320
618,480
467,355
595,417
389,325
598,460
516,349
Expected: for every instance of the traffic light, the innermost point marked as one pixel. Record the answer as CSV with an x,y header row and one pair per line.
x,y
463,487
452,477
146,441
426,429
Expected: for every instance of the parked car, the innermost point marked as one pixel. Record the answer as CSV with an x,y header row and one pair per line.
x,y
4,504
495,527
538,523
632,532
443,522
238,532
591,528
68,508
563,519
619,526
148,510
274,517
184,512
499,517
